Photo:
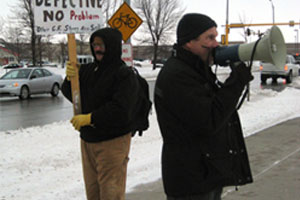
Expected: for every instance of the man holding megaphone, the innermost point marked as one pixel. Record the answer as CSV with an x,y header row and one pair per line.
x,y
203,144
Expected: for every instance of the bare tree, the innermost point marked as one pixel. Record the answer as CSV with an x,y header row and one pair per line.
x,y
40,49
83,38
15,39
48,47
1,26
109,7
26,17
246,31
160,19
63,51
45,48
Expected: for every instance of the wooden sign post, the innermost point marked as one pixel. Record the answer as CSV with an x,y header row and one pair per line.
x,y
74,80
64,17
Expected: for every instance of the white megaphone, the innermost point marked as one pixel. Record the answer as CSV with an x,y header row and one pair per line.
x,y
271,48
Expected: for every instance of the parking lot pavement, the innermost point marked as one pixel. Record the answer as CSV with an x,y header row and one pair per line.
x,y
274,155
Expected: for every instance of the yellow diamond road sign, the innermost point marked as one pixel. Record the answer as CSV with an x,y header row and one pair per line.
x,y
125,20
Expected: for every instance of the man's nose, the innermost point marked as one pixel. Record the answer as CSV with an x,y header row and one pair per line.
x,y
97,48
215,44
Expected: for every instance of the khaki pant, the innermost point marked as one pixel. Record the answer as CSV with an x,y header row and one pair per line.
x,y
105,168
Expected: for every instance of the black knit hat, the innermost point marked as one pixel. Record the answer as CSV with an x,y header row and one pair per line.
x,y
191,26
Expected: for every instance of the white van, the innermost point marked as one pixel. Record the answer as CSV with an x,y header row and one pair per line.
x,y
84,59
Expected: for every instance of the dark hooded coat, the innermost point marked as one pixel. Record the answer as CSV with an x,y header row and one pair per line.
x,y
203,144
108,90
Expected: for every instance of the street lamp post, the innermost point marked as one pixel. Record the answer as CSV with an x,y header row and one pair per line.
x,y
227,25
273,12
297,38
227,12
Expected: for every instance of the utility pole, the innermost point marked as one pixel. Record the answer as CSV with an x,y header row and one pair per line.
x,y
227,21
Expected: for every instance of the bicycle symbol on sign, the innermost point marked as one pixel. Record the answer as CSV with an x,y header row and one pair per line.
x,y
131,22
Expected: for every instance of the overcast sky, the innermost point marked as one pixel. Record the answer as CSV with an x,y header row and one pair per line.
x,y
254,11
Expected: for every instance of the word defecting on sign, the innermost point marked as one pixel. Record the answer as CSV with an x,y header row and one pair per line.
x,y
61,5
67,16
68,3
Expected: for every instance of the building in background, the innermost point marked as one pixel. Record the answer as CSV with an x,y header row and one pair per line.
x,y
7,56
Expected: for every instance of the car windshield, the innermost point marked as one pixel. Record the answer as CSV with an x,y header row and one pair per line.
x,y
17,74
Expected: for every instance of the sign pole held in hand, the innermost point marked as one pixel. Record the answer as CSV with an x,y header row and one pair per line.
x,y
74,80
68,18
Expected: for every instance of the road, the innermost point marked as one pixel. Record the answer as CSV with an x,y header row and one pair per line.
x,y
39,110
43,109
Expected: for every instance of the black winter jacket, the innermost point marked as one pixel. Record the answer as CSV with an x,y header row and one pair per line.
x,y
203,144
108,90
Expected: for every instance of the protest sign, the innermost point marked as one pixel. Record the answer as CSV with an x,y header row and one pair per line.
x,y
67,16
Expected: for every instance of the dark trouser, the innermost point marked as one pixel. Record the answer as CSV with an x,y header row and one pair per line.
x,y
213,195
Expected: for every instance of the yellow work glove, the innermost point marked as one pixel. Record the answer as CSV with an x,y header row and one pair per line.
x,y
81,120
70,71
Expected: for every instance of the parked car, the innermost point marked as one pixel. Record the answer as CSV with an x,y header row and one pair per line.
x,y
137,63
160,62
141,63
48,64
27,81
42,64
297,58
12,66
288,71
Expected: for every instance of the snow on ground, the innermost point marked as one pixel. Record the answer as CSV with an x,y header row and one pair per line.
x,y
43,162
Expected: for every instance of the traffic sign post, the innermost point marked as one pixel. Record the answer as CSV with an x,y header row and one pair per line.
x,y
127,54
125,20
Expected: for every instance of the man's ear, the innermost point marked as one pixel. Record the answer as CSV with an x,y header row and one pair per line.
x,y
187,45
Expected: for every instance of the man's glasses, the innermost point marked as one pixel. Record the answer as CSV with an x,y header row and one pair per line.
x,y
97,45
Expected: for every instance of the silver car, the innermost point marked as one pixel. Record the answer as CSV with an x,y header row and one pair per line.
x,y
288,71
26,81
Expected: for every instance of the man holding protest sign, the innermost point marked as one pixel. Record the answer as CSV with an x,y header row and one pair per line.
x,y
108,90
104,102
